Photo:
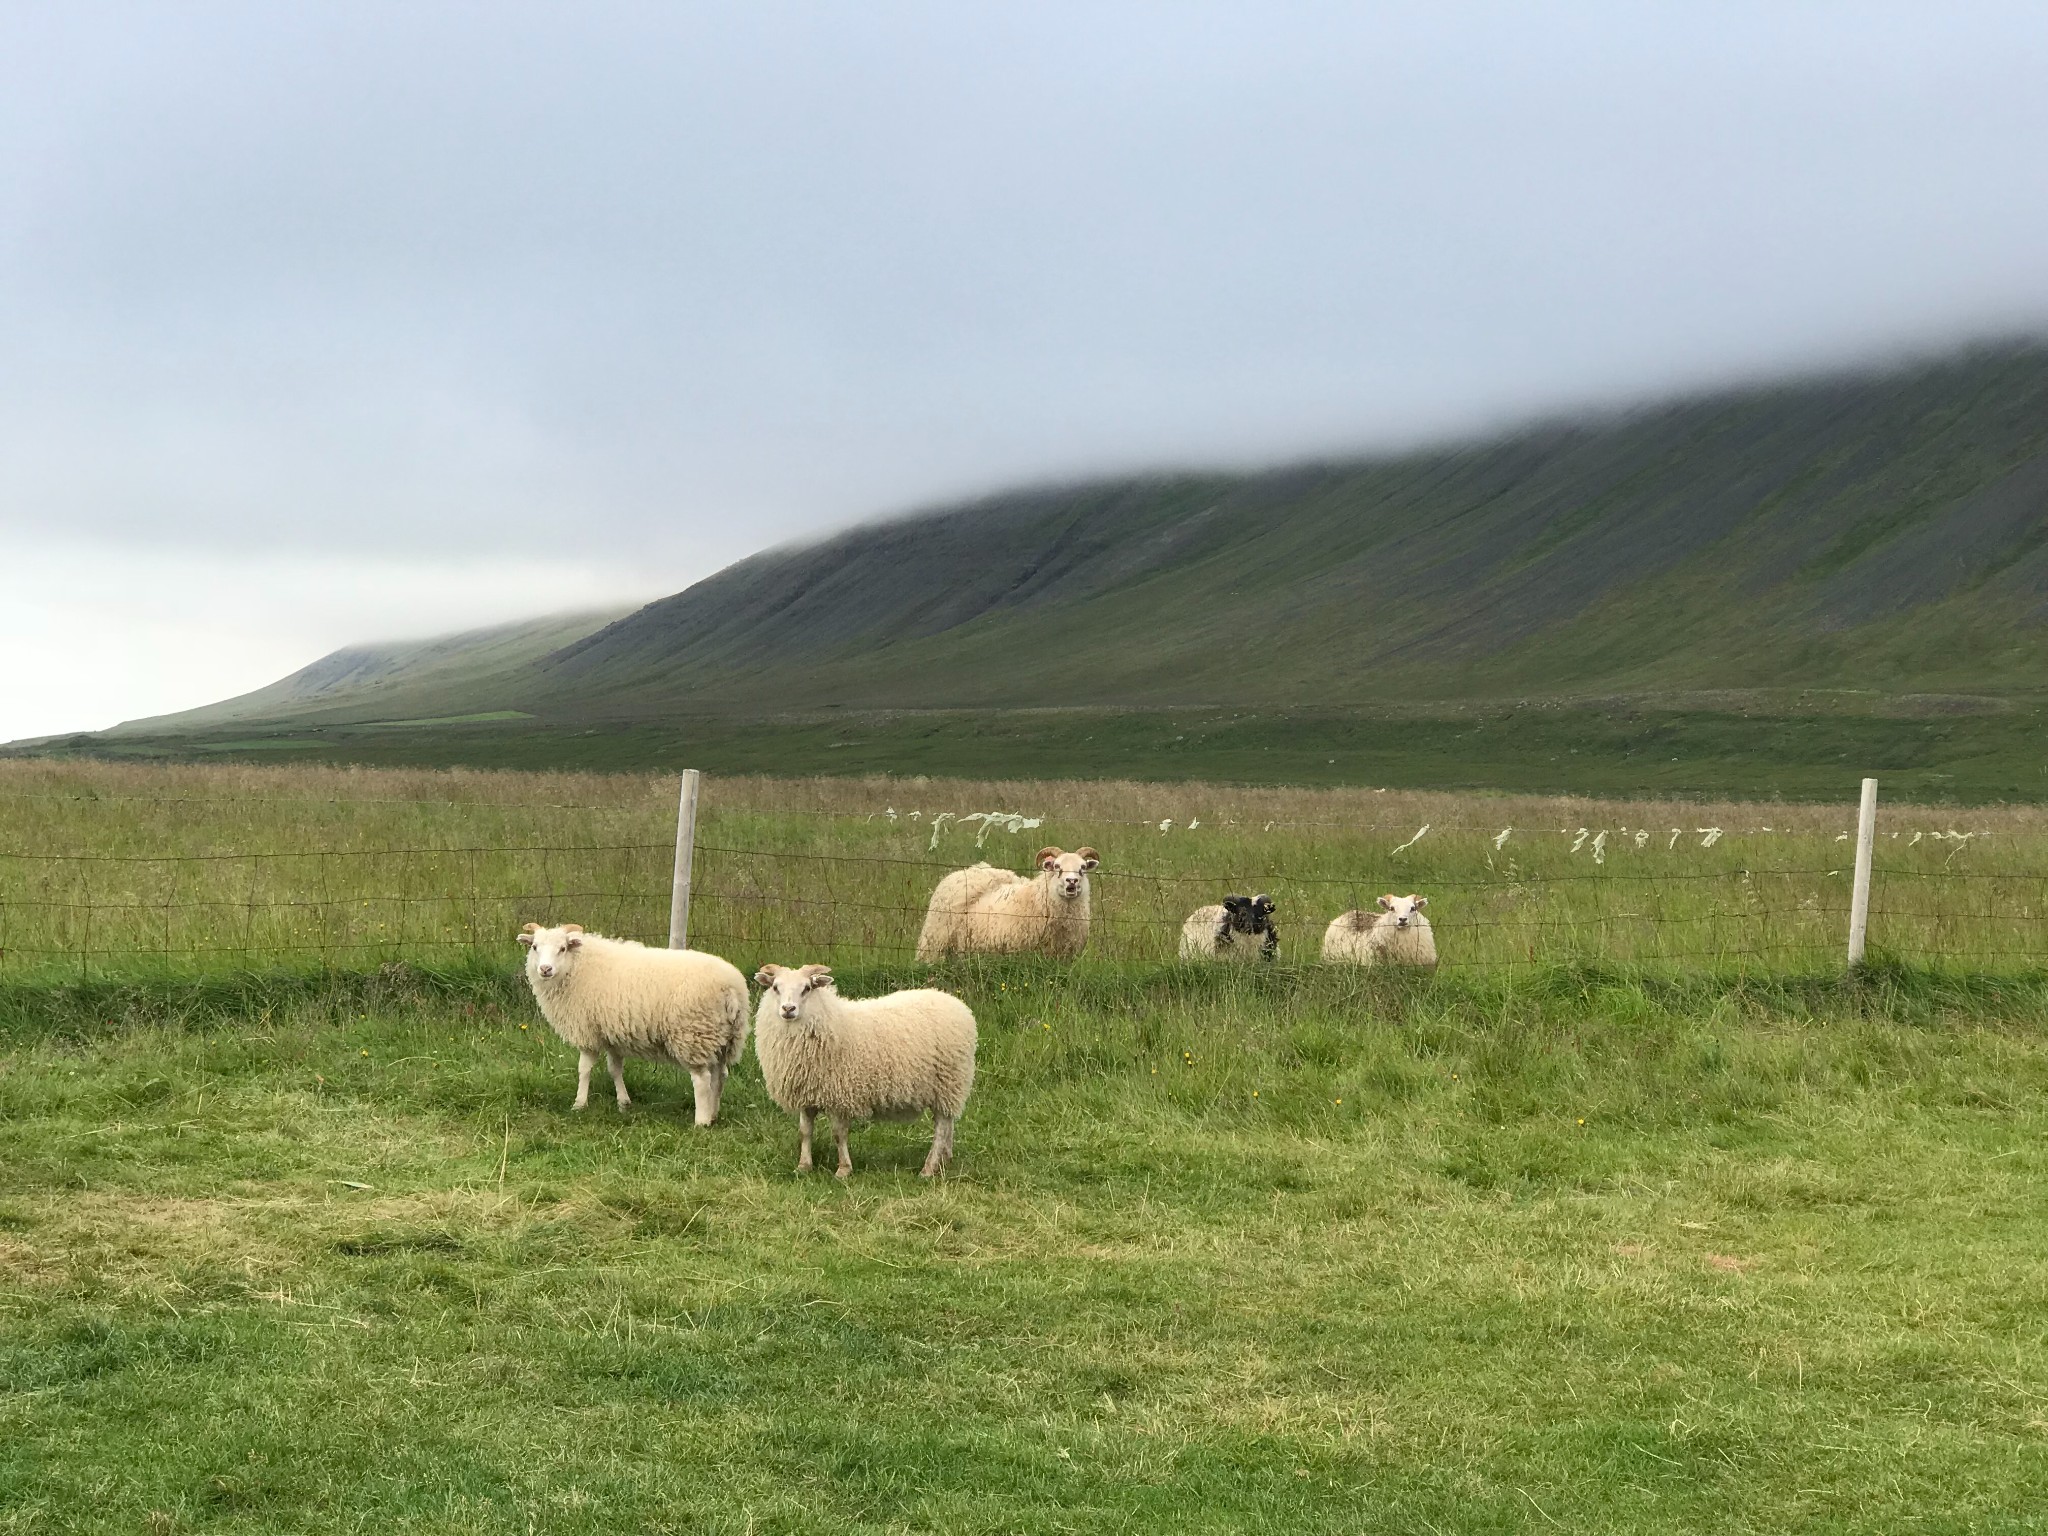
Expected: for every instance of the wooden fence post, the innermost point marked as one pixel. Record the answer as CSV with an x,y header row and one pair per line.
x,y
1859,896
686,845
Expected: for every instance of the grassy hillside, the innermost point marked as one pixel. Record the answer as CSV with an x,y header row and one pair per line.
x,y
1781,587
1887,533
360,677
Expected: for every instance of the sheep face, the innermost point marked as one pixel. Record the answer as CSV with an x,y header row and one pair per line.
x,y
1068,870
1404,908
1248,914
791,987
550,952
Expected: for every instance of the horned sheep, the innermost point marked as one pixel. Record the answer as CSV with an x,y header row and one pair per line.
x,y
618,998
876,1058
1236,928
1396,934
984,910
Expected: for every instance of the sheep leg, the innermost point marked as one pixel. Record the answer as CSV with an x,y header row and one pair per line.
x,y
617,1065
584,1062
706,1083
839,1125
806,1121
942,1145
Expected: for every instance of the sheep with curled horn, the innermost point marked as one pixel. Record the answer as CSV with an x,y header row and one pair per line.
x,y
989,911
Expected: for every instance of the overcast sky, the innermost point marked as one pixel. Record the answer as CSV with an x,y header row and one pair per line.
x,y
322,323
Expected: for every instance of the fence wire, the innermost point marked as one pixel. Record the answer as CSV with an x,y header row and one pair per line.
x,y
793,888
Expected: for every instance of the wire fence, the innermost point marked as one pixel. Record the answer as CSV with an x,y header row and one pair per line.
x,y
182,890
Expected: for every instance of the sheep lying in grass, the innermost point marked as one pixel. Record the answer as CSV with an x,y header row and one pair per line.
x,y
879,1058
983,910
1236,928
620,998
1397,934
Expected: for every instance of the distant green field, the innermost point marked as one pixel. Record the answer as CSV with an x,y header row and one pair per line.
x,y
1997,754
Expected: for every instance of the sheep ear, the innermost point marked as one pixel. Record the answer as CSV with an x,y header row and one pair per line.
x,y
765,977
526,936
1089,857
1421,901
574,941
1046,856
1262,902
1386,903
1232,903
572,927
817,976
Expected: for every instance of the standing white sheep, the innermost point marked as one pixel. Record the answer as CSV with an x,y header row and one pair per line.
x,y
1397,934
618,998
878,1058
984,910
1236,928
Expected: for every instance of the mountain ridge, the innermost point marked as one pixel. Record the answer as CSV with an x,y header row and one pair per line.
x,y
1875,533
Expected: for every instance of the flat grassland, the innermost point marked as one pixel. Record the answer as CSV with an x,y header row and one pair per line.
x,y
1625,1220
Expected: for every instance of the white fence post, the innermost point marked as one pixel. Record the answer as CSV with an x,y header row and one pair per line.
x,y
1859,896
686,845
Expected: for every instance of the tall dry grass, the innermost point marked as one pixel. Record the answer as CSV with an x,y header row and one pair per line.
x,y
117,868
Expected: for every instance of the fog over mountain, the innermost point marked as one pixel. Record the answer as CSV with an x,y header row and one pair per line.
x,y
337,322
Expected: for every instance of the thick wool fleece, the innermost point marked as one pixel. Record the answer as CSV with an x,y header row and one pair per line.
x,y
878,1058
680,1005
1375,938
989,911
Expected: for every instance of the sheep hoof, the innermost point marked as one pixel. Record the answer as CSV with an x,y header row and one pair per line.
x,y
845,1172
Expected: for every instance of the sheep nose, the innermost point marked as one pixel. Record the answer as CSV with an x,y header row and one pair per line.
x,y
547,970
788,1012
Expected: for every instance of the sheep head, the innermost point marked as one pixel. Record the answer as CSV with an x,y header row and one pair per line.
x,y
1403,908
789,987
1067,872
550,950
1248,914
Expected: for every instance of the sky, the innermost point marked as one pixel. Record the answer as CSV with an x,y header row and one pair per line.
x,y
325,323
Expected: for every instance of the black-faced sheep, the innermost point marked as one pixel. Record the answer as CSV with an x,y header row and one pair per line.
x,y
618,998
878,1058
1237,928
984,910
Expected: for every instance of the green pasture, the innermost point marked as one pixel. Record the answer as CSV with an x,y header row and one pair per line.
x,y
1286,1252
1624,1220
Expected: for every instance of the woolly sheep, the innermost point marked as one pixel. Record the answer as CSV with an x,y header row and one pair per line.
x,y
1236,928
878,1058
997,911
1397,934
620,998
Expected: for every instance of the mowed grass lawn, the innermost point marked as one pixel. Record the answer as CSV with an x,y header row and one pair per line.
x,y
1293,1252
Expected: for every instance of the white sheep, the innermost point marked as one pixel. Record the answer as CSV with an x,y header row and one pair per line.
x,y
1236,928
984,910
879,1058
620,998
1397,934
